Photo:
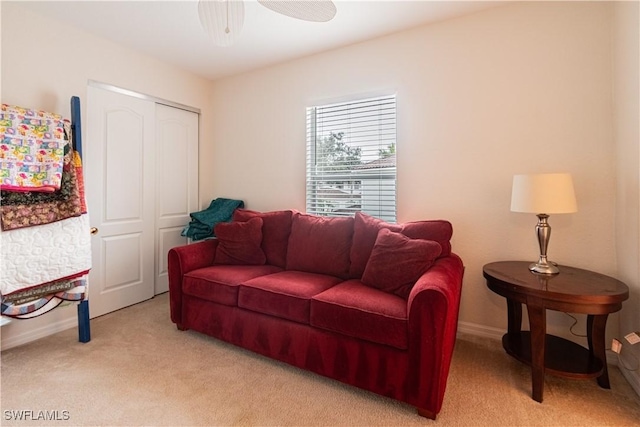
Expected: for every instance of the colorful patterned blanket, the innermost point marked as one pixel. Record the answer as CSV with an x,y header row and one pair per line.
x,y
31,149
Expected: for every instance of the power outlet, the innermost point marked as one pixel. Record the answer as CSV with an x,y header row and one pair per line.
x,y
632,338
616,346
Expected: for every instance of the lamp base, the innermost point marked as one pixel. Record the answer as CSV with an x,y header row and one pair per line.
x,y
543,268
543,230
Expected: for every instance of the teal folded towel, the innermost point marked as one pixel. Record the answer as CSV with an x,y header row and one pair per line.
x,y
202,222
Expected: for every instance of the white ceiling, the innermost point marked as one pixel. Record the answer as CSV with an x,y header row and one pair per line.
x,y
171,31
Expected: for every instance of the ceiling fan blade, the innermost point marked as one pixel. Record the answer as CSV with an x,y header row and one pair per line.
x,y
307,10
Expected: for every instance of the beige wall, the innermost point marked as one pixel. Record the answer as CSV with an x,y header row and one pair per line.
x,y
627,136
45,78
522,88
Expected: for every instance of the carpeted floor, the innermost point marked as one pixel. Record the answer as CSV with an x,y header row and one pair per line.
x,y
139,370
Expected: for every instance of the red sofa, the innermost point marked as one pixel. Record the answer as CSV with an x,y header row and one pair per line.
x,y
368,303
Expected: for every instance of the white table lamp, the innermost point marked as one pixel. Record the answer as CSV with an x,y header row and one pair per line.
x,y
543,194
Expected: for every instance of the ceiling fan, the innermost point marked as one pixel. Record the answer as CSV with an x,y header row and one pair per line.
x,y
223,19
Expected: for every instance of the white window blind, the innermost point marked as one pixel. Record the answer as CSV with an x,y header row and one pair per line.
x,y
351,158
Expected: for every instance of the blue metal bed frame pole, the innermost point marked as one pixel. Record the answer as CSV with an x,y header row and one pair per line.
x,y
84,329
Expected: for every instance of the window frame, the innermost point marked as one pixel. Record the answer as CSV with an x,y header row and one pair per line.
x,y
367,124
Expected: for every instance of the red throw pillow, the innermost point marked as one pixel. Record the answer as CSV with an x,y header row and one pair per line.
x,y
276,227
239,243
397,262
365,232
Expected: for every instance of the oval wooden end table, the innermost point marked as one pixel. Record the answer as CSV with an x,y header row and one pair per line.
x,y
573,290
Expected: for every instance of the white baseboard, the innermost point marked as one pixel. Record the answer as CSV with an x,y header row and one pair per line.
x,y
496,334
37,333
632,377
480,331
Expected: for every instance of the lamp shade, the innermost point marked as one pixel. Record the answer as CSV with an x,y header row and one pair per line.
x,y
222,19
550,193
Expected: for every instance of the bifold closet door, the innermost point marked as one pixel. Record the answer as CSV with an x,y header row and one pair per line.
x,y
176,182
120,173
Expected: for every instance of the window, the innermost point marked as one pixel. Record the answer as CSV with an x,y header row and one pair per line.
x,y
351,158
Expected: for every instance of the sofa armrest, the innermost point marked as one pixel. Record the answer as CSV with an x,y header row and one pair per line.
x,y
181,260
433,308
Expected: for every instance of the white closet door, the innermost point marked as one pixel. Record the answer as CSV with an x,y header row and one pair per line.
x,y
176,182
120,172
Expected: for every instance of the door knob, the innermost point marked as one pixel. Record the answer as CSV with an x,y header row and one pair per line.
x,y
94,230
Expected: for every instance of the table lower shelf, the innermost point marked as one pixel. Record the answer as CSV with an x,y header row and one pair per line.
x,y
562,357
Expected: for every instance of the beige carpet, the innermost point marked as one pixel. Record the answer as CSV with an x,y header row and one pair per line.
x,y
139,370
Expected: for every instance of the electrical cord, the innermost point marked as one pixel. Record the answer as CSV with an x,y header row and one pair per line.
x,y
620,360
575,322
624,365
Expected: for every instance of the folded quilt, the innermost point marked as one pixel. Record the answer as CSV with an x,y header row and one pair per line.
x,y
67,188
52,206
39,300
34,256
31,149
202,222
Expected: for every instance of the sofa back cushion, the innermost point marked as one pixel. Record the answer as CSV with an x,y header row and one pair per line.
x,y
365,232
239,243
397,262
319,244
276,227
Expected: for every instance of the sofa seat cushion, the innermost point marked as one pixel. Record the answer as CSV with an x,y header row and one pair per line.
x,y
286,294
360,311
219,283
